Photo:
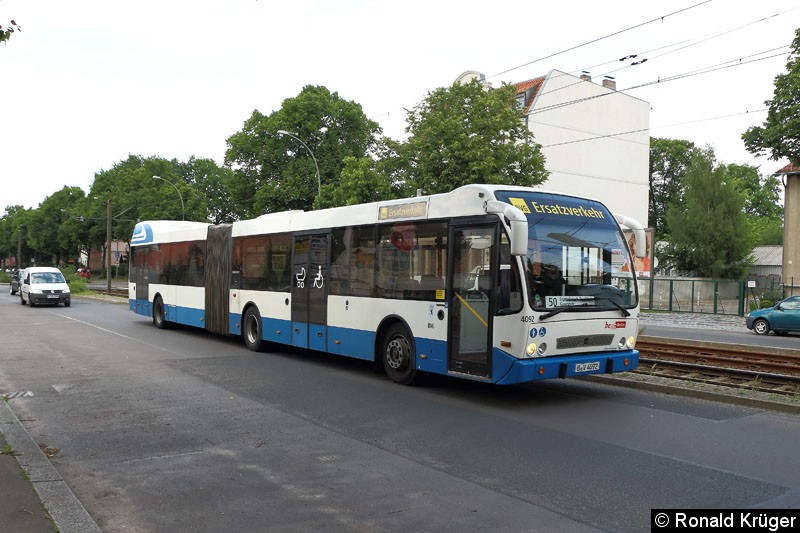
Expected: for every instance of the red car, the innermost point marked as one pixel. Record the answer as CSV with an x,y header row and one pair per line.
x,y
84,273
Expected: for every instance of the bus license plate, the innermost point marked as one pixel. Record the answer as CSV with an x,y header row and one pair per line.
x,y
587,367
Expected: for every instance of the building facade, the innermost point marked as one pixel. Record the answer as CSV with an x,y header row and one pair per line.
x,y
596,140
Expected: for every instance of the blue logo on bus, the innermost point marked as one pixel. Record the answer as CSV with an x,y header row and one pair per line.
x,y
533,333
542,332
142,234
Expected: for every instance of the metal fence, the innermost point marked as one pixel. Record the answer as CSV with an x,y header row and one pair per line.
x,y
722,297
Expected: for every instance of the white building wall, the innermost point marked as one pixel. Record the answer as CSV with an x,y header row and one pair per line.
x,y
607,163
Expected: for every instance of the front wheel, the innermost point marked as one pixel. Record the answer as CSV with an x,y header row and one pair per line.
x,y
251,329
761,326
399,359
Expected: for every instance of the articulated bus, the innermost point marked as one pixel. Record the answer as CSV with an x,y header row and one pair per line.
x,y
500,284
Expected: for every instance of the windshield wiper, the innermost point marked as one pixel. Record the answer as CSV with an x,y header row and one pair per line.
x,y
625,312
552,313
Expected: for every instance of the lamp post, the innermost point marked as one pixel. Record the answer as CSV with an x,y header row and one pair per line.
x,y
296,138
183,209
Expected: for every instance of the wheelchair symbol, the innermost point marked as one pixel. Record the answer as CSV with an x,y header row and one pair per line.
x,y
301,278
319,281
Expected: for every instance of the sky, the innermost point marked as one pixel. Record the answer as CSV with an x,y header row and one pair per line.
x,y
88,82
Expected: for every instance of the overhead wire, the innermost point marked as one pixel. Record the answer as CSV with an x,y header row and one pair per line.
x,y
700,40
645,23
705,70
707,119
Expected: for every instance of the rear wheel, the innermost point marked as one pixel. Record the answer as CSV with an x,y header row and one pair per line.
x,y
399,360
251,329
159,318
761,326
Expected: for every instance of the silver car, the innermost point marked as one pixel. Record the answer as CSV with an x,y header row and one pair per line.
x,y
16,281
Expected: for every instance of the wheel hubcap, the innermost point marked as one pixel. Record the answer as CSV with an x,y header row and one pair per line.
x,y
397,353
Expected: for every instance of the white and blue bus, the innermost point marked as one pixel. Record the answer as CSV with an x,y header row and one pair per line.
x,y
500,284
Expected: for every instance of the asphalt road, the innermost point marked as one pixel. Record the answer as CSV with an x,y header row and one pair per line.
x,y
182,431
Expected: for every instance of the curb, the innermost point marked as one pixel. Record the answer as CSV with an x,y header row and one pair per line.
x,y
641,382
64,507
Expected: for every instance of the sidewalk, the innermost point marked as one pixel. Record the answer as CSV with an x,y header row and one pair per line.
x,y
33,497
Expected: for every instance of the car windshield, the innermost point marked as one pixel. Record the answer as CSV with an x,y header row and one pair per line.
x,y
47,277
577,256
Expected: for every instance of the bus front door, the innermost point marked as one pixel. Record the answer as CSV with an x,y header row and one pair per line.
x,y
471,299
309,289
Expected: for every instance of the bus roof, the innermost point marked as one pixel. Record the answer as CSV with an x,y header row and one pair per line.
x,y
464,201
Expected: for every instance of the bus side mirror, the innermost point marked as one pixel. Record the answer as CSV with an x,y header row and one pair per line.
x,y
519,237
517,222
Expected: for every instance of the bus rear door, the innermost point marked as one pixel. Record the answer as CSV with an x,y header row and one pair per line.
x,y
309,289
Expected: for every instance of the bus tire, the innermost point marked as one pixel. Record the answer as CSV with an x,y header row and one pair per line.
x,y
251,329
159,318
397,352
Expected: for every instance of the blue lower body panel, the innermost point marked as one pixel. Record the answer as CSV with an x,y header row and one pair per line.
x,y
509,370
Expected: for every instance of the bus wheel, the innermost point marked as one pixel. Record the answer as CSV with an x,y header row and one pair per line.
x,y
251,329
158,314
399,361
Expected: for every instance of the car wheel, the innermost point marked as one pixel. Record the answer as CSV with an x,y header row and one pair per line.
x,y
251,329
30,301
21,299
761,326
67,303
399,360
159,318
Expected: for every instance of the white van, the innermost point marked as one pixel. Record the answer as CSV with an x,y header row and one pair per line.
x,y
44,285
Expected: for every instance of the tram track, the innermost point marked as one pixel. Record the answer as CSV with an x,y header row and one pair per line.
x,y
745,367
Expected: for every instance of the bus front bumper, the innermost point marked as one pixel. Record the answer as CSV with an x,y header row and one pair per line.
x,y
525,370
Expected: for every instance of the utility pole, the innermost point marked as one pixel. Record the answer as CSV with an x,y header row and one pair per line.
x,y
108,246
19,247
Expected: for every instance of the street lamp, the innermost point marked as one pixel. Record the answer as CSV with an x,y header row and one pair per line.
x,y
183,209
296,138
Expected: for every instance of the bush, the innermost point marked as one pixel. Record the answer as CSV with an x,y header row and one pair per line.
x,y
767,303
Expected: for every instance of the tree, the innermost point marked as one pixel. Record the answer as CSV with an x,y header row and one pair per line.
x,y
709,232
8,30
360,182
274,172
207,182
467,133
779,136
762,202
669,160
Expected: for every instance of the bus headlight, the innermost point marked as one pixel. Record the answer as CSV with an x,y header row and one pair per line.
x,y
631,341
531,349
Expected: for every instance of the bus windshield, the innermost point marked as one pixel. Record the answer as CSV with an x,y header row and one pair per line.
x,y
577,257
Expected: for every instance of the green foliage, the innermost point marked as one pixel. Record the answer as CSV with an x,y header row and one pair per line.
x,y
709,234
762,195
360,182
465,134
274,172
766,303
669,161
779,135
8,30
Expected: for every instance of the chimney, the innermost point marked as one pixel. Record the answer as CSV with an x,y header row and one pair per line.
x,y
610,83
586,77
